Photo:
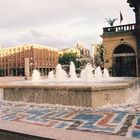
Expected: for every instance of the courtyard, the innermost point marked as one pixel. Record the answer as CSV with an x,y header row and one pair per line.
x,y
121,120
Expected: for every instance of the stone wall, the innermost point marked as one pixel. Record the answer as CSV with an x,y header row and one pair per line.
x,y
74,96
90,95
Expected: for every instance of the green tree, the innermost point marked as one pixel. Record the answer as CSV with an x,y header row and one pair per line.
x,y
100,53
66,58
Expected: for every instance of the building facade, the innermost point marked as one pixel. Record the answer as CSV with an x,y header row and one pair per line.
x,y
70,50
84,52
122,45
22,60
121,50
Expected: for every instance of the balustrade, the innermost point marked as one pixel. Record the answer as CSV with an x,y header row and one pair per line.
x,y
119,29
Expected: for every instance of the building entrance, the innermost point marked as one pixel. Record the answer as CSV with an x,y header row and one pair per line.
x,y
124,61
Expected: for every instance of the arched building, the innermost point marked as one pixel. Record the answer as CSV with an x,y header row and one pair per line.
x,y
121,50
122,44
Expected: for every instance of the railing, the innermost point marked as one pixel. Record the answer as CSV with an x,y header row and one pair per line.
x,y
119,29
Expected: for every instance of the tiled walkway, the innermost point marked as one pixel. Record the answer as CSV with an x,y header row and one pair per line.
x,y
123,120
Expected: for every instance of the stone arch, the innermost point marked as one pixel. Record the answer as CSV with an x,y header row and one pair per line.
x,y
124,43
124,61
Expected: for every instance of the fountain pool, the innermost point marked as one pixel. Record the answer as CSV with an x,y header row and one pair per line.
x,y
83,92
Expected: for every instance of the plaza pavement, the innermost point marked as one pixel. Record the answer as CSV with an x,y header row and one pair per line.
x,y
71,123
111,122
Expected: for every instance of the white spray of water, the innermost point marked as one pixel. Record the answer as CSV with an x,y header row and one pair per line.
x,y
72,72
51,76
60,74
36,75
87,73
98,73
134,94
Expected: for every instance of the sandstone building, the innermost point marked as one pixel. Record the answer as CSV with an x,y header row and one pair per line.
x,y
122,44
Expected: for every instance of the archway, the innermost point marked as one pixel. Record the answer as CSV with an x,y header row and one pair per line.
x,y
124,61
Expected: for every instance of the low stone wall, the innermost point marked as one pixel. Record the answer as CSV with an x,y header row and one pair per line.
x,y
124,93
51,95
89,95
107,97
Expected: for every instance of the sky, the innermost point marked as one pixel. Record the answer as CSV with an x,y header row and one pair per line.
x,y
58,23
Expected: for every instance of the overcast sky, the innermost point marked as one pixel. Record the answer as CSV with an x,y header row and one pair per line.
x,y
58,23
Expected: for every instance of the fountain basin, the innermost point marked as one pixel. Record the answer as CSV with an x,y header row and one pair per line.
x,y
84,94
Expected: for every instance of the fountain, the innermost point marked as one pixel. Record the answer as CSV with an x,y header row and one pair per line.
x,y
60,74
51,76
72,72
85,76
87,72
36,75
99,74
89,90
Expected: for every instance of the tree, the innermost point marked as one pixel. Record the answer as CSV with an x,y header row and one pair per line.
x,y
111,21
100,53
66,58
